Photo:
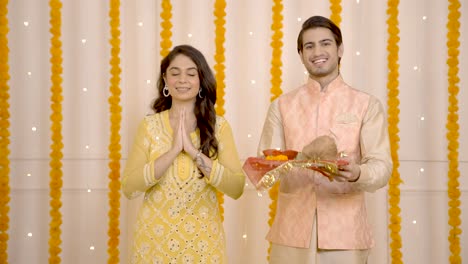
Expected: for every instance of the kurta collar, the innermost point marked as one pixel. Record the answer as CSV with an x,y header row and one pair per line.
x,y
315,86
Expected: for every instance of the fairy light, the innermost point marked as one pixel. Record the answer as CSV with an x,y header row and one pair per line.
x,y
421,123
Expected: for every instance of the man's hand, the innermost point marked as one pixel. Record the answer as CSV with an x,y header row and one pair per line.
x,y
348,173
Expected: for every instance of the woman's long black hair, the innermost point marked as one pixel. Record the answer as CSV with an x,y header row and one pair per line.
x,y
204,107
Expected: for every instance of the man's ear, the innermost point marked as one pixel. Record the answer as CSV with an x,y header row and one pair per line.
x,y
341,50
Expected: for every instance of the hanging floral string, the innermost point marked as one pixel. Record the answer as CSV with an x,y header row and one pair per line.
x,y
335,8
276,73
220,30
273,193
166,25
393,120
56,155
453,44
4,133
277,45
114,144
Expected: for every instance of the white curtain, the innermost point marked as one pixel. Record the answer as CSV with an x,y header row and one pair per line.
x,y
85,36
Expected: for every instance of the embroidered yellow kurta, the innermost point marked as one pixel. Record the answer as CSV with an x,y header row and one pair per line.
x,y
179,220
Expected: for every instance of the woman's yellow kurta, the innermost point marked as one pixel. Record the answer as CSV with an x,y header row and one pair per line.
x,y
179,221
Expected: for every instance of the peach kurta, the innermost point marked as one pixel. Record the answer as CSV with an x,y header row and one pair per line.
x,y
357,122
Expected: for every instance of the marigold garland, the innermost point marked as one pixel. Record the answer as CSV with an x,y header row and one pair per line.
x,y
335,8
56,155
166,25
273,193
276,73
220,31
114,144
220,197
393,120
276,44
453,44
4,133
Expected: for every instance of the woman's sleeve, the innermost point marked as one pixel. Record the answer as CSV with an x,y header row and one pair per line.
x,y
138,175
226,173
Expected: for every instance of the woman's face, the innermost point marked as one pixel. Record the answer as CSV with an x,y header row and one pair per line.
x,y
182,79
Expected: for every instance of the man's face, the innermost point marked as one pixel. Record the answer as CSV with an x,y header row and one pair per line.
x,y
320,53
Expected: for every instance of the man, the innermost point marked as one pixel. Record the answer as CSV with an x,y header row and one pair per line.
x,y
317,220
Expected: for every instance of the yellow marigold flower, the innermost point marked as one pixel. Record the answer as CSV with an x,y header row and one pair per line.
x,y
277,157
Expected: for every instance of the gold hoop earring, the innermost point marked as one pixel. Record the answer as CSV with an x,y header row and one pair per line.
x,y
166,91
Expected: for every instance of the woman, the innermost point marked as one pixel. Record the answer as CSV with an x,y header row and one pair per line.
x,y
182,155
